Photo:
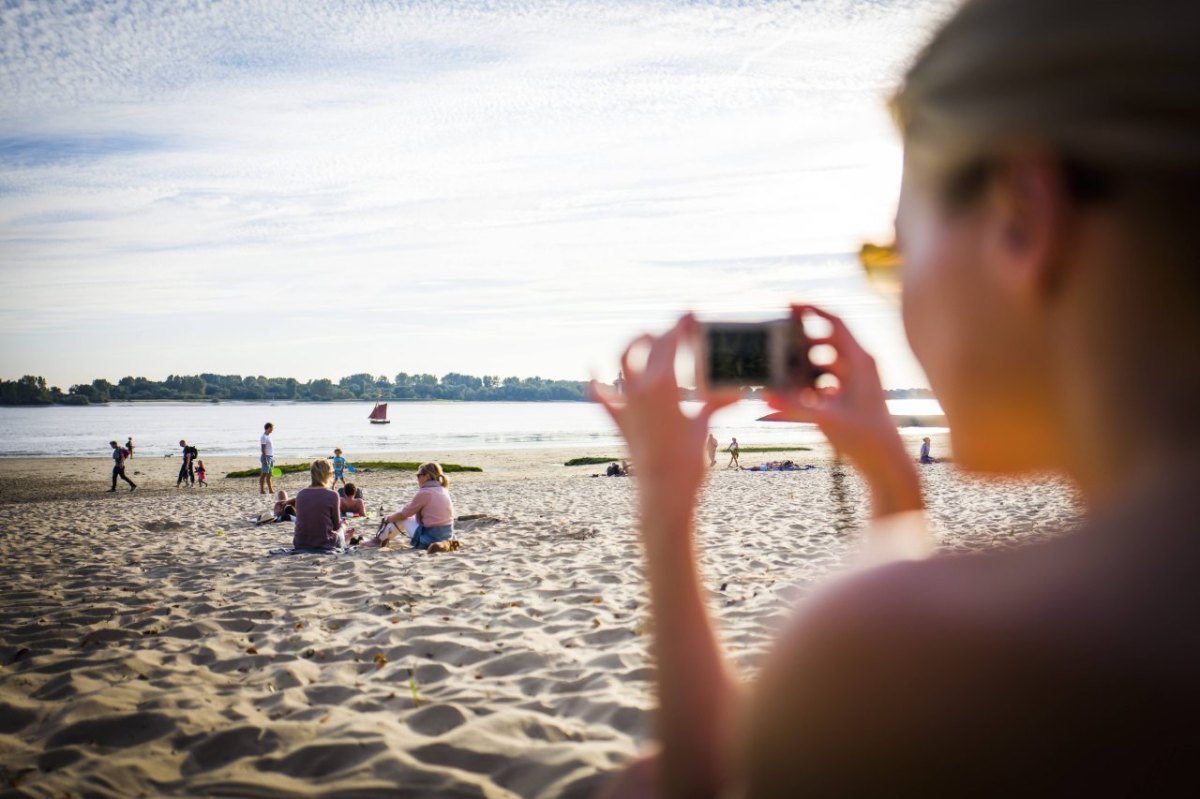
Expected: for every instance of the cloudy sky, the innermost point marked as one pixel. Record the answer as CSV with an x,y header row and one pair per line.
x,y
316,188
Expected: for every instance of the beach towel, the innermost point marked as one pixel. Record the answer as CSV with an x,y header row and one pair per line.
x,y
311,551
765,468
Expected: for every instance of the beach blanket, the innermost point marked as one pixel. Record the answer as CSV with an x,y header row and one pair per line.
x,y
765,468
312,551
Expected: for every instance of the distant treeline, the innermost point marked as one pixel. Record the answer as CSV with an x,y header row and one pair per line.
x,y
31,390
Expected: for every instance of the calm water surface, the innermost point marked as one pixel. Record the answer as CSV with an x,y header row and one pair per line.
x,y
312,429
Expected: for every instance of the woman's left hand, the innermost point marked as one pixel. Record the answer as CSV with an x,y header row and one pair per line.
x,y
666,444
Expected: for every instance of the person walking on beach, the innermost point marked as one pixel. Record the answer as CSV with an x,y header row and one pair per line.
x,y
266,460
187,469
711,447
200,473
733,449
925,456
119,454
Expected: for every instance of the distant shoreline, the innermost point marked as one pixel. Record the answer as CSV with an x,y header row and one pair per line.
x,y
216,401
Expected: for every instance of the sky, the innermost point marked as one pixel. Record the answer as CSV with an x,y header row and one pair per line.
x,y
315,188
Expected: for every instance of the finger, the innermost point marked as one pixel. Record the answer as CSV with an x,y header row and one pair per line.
x,y
626,364
607,401
662,354
840,337
793,411
804,400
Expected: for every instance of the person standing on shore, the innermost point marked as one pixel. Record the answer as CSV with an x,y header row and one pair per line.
x,y
119,454
187,469
711,447
129,446
339,467
266,460
733,449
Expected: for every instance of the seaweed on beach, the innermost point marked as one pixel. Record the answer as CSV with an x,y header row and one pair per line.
x,y
589,461
362,466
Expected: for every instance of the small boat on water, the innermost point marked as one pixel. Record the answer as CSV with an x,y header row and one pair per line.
x,y
379,414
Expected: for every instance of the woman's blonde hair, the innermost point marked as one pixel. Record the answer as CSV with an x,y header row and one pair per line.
x,y
1111,87
322,472
434,470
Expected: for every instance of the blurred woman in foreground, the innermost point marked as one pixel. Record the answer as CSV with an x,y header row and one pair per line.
x,y
1046,221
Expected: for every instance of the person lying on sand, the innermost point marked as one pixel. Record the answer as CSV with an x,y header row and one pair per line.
x,y
358,490
777,466
1046,221
350,502
285,507
432,507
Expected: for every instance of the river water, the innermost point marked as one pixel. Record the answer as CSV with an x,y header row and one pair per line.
x,y
310,429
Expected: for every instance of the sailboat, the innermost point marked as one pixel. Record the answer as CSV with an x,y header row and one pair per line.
x,y
379,414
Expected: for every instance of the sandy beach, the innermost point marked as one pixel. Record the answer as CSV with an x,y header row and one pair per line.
x,y
150,645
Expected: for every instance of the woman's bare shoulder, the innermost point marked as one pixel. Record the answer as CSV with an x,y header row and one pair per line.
x,y
900,660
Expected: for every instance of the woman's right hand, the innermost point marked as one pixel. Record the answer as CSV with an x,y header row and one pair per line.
x,y
854,417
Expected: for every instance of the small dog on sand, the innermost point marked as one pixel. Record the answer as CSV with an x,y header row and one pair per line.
x,y
443,546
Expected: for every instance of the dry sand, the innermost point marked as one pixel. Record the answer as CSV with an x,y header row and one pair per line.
x,y
150,645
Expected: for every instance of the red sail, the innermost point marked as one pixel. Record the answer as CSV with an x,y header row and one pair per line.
x,y
380,411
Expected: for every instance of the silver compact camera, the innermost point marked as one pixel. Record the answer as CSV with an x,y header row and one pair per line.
x,y
771,354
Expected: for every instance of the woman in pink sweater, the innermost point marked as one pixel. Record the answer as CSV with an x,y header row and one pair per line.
x,y
432,508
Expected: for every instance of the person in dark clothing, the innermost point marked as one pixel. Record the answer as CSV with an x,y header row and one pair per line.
x,y
187,469
119,454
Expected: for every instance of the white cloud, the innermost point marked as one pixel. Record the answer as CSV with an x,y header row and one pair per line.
x,y
350,176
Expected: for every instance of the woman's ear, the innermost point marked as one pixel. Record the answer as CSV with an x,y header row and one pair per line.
x,y
1029,206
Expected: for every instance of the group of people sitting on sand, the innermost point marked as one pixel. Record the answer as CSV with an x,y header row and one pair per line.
x,y
322,516
351,502
622,469
780,466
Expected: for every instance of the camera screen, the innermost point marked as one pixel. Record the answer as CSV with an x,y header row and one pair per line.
x,y
739,356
